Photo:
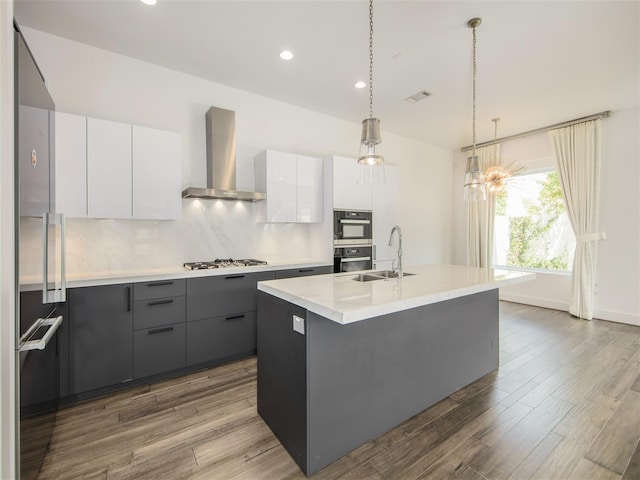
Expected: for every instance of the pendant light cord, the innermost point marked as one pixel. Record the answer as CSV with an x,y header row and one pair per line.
x,y
371,59
474,93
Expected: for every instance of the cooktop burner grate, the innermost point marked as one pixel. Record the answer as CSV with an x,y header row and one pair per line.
x,y
223,263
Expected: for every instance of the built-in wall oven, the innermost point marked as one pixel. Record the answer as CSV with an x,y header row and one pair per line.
x,y
352,240
353,258
352,227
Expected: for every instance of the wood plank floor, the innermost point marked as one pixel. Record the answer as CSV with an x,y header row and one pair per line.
x,y
565,403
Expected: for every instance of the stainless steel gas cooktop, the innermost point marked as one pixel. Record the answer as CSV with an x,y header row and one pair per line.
x,y
223,263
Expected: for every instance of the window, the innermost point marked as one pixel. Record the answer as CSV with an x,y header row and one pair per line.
x,y
532,229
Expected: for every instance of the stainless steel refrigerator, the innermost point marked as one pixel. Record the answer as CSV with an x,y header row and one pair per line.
x,y
40,278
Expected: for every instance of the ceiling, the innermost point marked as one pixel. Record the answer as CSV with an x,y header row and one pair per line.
x,y
538,62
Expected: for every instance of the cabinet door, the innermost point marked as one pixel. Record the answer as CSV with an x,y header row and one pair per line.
x,y
309,189
304,272
159,289
157,174
281,186
108,169
100,337
159,350
216,296
275,174
158,312
71,165
221,338
348,194
385,214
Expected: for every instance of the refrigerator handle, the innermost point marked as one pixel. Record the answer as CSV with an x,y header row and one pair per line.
x,y
57,294
26,344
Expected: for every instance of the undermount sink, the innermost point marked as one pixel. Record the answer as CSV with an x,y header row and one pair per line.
x,y
381,275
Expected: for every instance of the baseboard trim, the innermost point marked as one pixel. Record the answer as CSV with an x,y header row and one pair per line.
x,y
535,301
600,314
618,317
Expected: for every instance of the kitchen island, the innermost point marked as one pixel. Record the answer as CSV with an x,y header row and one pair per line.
x,y
341,361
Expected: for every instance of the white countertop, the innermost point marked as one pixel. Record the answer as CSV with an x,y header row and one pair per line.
x,y
342,299
112,277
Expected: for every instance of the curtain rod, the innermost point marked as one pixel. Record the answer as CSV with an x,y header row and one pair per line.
x,y
604,114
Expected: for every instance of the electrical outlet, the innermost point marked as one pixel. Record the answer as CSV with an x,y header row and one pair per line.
x,y
298,324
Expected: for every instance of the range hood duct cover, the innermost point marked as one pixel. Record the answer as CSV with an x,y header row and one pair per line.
x,y
221,160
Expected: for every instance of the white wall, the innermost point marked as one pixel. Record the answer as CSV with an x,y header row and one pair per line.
x,y
123,89
7,280
618,277
425,206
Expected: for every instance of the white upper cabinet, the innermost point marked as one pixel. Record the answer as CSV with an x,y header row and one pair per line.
x,y
108,169
156,174
385,215
348,194
294,187
71,165
310,196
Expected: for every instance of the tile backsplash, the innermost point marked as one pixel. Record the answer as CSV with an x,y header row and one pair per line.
x,y
208,229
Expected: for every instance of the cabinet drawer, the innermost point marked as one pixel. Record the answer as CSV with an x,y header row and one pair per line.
x,y
303,272
159,289
158,350
154,313
216,338
223,295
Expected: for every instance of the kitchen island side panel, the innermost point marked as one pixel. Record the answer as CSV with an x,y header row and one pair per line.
x,y
282,374
369,376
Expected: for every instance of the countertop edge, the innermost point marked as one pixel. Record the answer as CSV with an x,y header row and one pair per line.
x,y
168,274
363,313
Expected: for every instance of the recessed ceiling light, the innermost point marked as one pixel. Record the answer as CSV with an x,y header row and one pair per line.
x,y
148,2
360,84
286,55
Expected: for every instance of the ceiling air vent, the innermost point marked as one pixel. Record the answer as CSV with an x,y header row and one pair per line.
x,y
416,97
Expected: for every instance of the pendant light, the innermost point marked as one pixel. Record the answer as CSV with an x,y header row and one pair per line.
x,y
370,148
474,188
497,176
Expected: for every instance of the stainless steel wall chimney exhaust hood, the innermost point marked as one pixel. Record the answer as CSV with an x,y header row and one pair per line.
x,y
221,160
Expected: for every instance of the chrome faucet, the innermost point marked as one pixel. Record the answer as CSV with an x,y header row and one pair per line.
x,y
396,228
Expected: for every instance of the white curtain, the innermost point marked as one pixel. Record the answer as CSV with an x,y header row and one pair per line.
x,y
480,216
577,152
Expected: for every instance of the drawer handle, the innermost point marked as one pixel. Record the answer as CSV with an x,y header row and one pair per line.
x,y
234,317
160,302
160,330
304,270
159,284
230,277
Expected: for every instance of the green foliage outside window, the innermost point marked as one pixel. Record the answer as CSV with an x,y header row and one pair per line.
x,y
532,235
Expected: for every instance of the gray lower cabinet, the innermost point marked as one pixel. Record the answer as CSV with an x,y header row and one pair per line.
x,y
223,295
100,337
158,350
304,272
159,337
116,333
221,318
159,289
221,338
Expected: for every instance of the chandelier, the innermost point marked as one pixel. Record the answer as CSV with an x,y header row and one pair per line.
x,y
496,176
